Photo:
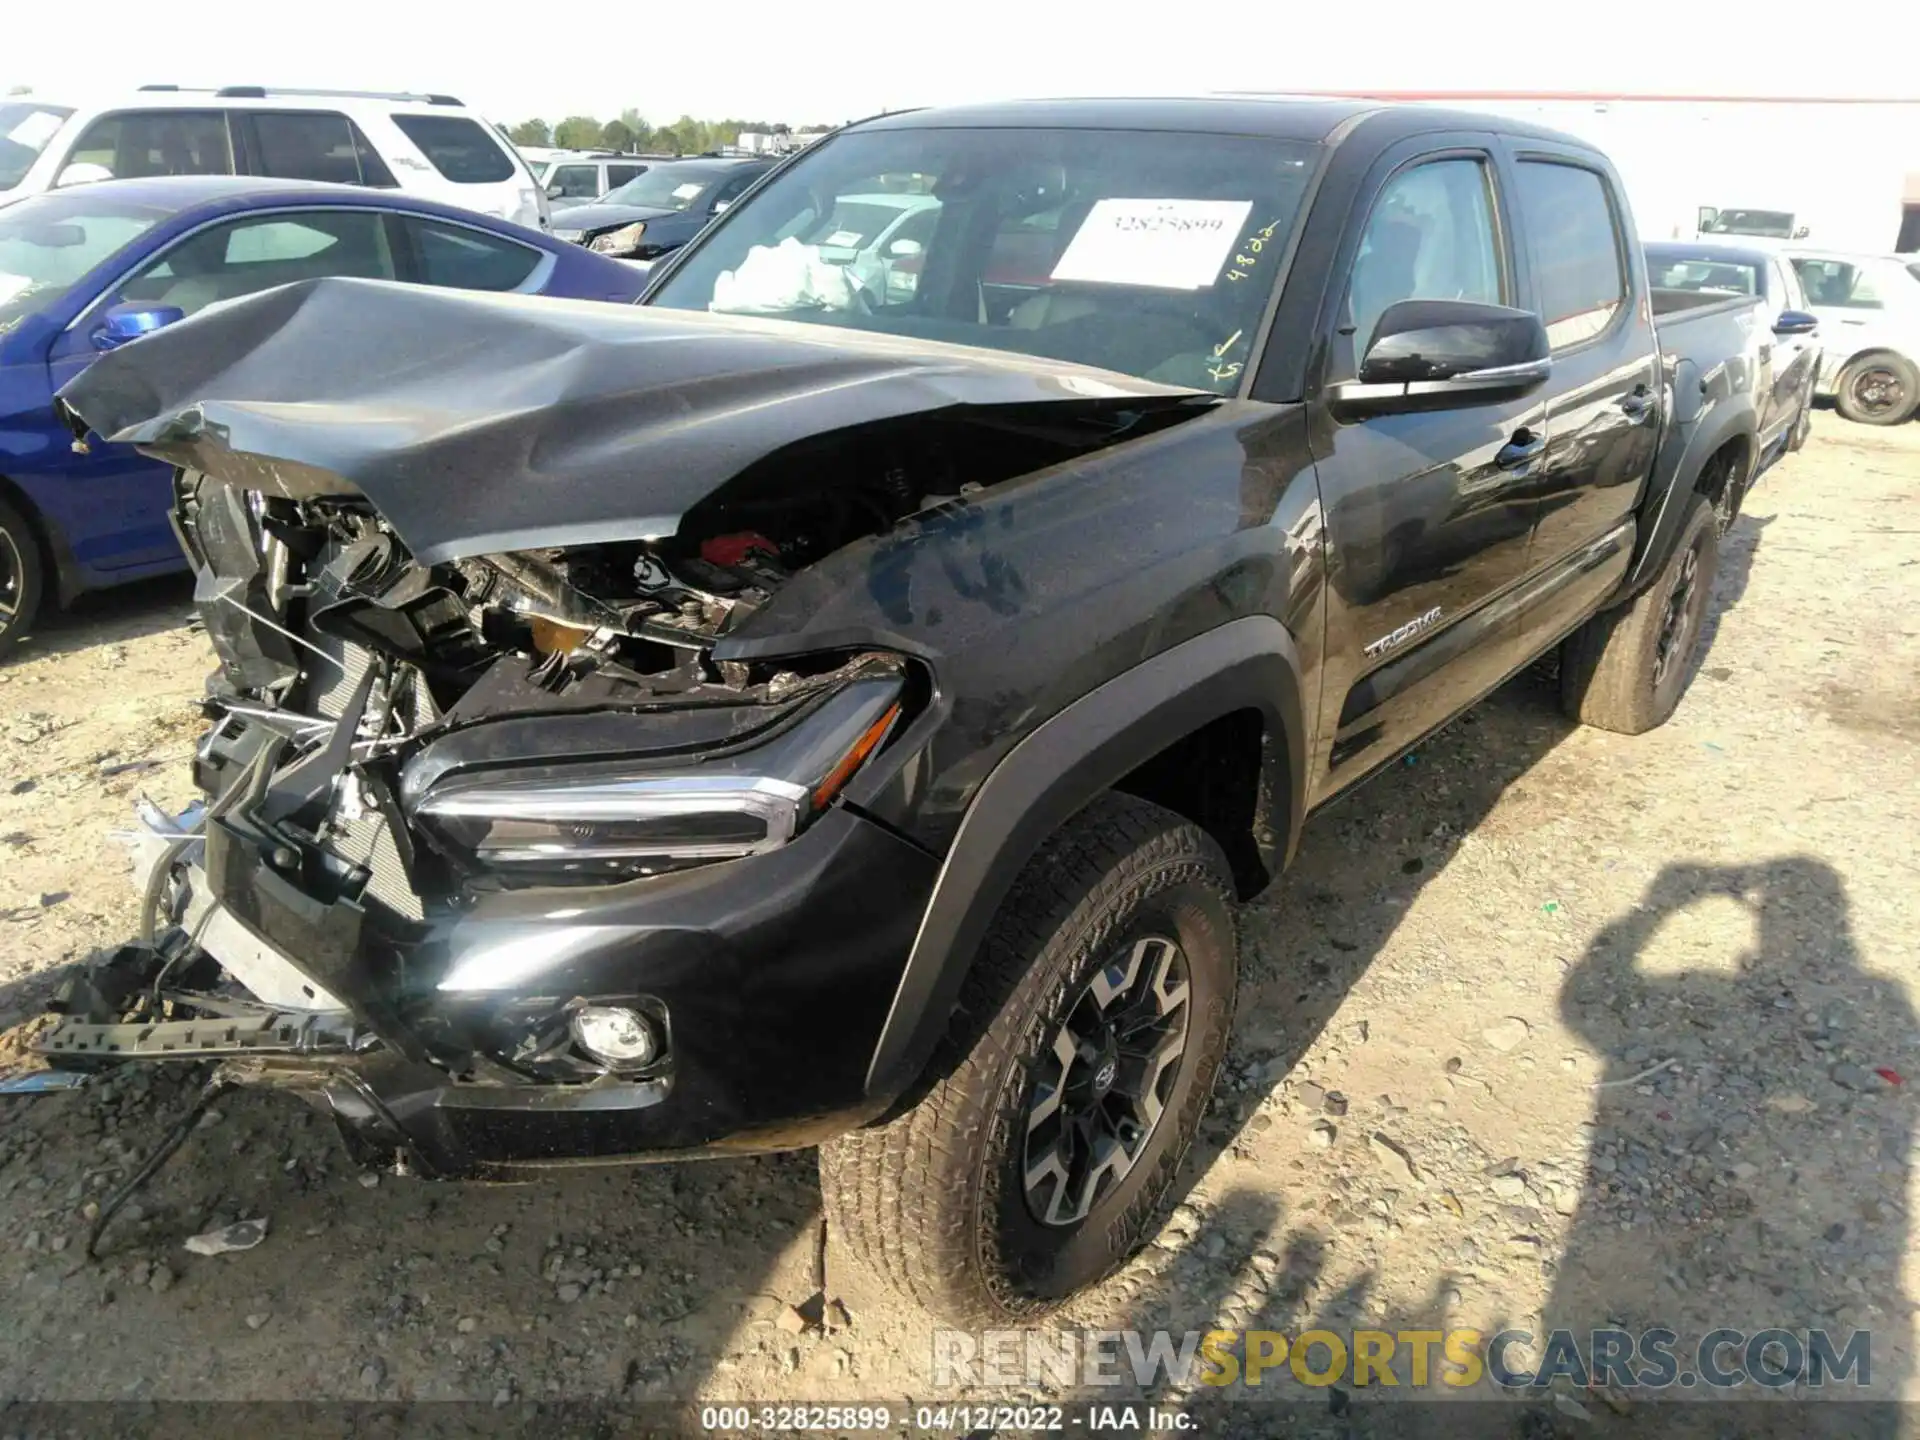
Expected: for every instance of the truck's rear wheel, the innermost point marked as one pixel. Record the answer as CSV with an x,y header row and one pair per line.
x,y
1084,1048
1878,389
1626,668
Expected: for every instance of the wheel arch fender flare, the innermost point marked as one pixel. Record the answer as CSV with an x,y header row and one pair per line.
x,y
1682,461
1075,755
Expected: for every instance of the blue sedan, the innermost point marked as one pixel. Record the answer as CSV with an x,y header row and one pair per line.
x,y
89,268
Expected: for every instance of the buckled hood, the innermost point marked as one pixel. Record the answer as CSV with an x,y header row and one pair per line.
x,y
480,423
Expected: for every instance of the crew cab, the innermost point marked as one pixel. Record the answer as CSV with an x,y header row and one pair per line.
x,y
794,712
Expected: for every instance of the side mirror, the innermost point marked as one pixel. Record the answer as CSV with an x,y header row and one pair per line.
x,y
1796,322
130,320
1432,353
904,249
83,172
553,190
1707,220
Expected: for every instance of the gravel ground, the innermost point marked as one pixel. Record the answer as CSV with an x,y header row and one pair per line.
x,y
1545,1023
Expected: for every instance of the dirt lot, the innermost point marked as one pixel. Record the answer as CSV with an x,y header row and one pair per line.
x,y
1447,1099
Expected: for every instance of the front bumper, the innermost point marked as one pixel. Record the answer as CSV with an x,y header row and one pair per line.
x,y
773,974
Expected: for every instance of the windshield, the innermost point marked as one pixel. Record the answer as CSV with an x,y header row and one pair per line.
x,y
1692,272
668,186
25,129
1152,254
1768,224
48,242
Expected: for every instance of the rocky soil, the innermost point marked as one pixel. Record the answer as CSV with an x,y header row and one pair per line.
x,y
1546,1025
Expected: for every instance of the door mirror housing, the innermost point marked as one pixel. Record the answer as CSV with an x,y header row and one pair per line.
x,y
1428,354
82,172
1796,322
130,320
1707,220
553,190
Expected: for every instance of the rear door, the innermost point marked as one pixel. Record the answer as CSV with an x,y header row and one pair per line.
x,y
1428,514
1589,286
310,145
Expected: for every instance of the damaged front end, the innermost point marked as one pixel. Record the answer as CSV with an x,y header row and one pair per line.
x,y
501,859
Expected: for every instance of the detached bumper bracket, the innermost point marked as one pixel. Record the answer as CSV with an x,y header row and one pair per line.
x,y
220,1038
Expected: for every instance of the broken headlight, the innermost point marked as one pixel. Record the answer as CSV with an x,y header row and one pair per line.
x,y
608,820
623,241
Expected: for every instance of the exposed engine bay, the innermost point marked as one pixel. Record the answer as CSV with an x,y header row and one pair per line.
x,y
476,576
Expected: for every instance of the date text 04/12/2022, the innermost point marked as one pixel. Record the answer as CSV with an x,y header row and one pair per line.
x,y
958,1419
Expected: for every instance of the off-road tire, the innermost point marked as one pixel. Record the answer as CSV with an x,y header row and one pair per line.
x,y
1898,368
1608,666
933,1201
21,577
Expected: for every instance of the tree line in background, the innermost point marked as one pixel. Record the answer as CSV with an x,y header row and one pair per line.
x,y
685,136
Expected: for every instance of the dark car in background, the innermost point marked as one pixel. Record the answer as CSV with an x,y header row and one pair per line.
x,y
662,209
88,269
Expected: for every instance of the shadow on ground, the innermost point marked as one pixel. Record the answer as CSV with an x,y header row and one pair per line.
x,y
106,617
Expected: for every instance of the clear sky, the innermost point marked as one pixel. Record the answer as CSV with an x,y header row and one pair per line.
x,y
803,62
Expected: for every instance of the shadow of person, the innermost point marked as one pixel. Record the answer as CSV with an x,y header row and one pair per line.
x,y
1749,1154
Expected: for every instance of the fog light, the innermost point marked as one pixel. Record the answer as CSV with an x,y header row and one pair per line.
x,y
614,1035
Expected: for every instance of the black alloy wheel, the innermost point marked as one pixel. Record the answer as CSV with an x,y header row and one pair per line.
x,y
1105,1080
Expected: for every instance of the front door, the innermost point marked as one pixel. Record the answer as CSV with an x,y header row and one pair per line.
x,y
1427,514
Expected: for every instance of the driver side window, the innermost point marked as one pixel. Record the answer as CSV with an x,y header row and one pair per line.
x,y
1431,236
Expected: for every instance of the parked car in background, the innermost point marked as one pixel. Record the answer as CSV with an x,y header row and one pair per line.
x,y
85,270
1745,302
822,723
570,180
880,239
426,145
1869,309
662,210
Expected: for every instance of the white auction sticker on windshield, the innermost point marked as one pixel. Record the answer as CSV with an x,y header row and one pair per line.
x,y
842,239
1167,244
686,192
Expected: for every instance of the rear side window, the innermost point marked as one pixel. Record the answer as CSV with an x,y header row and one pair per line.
x,y
467,259
460,149
317,145
618,175
1578,269
134,143
1431,236
1837,284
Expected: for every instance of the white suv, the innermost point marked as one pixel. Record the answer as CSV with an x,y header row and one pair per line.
x,y
429,145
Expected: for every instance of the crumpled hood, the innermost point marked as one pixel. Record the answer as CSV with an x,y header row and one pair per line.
x,y
598,214
482,423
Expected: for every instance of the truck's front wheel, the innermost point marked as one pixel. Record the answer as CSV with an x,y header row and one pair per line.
x,y
1626,668
1071,1084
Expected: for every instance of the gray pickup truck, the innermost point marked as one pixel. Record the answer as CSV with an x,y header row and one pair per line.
x,y
1742,352
795,713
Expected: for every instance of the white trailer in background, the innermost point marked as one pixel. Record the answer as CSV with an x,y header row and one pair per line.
x,y
1838,173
